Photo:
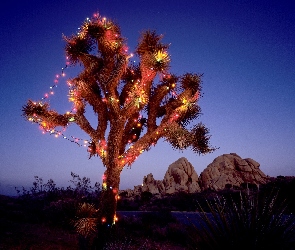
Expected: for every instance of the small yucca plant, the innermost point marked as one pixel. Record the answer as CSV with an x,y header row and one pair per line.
x,y
86,221
250,223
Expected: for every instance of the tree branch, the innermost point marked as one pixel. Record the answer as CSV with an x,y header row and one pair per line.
x,y
84,124
39,112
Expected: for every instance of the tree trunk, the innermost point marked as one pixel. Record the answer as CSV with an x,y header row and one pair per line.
x,y
109,195
111,180
107,206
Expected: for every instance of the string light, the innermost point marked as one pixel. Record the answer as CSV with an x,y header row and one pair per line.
x,y
43,125
138,95
56,80
56,133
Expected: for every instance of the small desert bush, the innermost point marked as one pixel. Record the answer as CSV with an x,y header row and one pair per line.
x,y
45,202
252,222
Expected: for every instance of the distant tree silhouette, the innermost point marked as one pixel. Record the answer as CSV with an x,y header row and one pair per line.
x,y
135,104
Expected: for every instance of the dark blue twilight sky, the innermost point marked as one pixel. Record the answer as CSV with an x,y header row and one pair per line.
x,y
245,49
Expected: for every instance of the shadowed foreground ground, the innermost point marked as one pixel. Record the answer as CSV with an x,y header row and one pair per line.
x,y
44,220
20,230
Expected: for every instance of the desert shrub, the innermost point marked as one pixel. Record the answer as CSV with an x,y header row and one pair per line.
x,y
44,202
61,212
146,196
183,201
81,189
257,222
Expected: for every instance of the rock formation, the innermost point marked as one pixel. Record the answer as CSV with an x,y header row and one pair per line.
x,y
181,177
227,170
151,185
232,170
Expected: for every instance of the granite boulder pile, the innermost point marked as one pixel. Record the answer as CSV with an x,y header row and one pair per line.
x,y
227,170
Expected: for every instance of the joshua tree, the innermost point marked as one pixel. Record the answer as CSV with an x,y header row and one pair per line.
x,y
135,104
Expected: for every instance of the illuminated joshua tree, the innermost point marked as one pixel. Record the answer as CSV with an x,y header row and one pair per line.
x,y
135,104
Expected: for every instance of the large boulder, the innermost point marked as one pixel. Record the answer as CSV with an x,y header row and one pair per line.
x,y
231,169
181,177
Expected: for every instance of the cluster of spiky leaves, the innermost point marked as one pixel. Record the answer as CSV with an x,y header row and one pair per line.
x,y
150,42
131,107
76,47
152,52
86,220
253,222
197,138
38,112
96,32
200,139
191,81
